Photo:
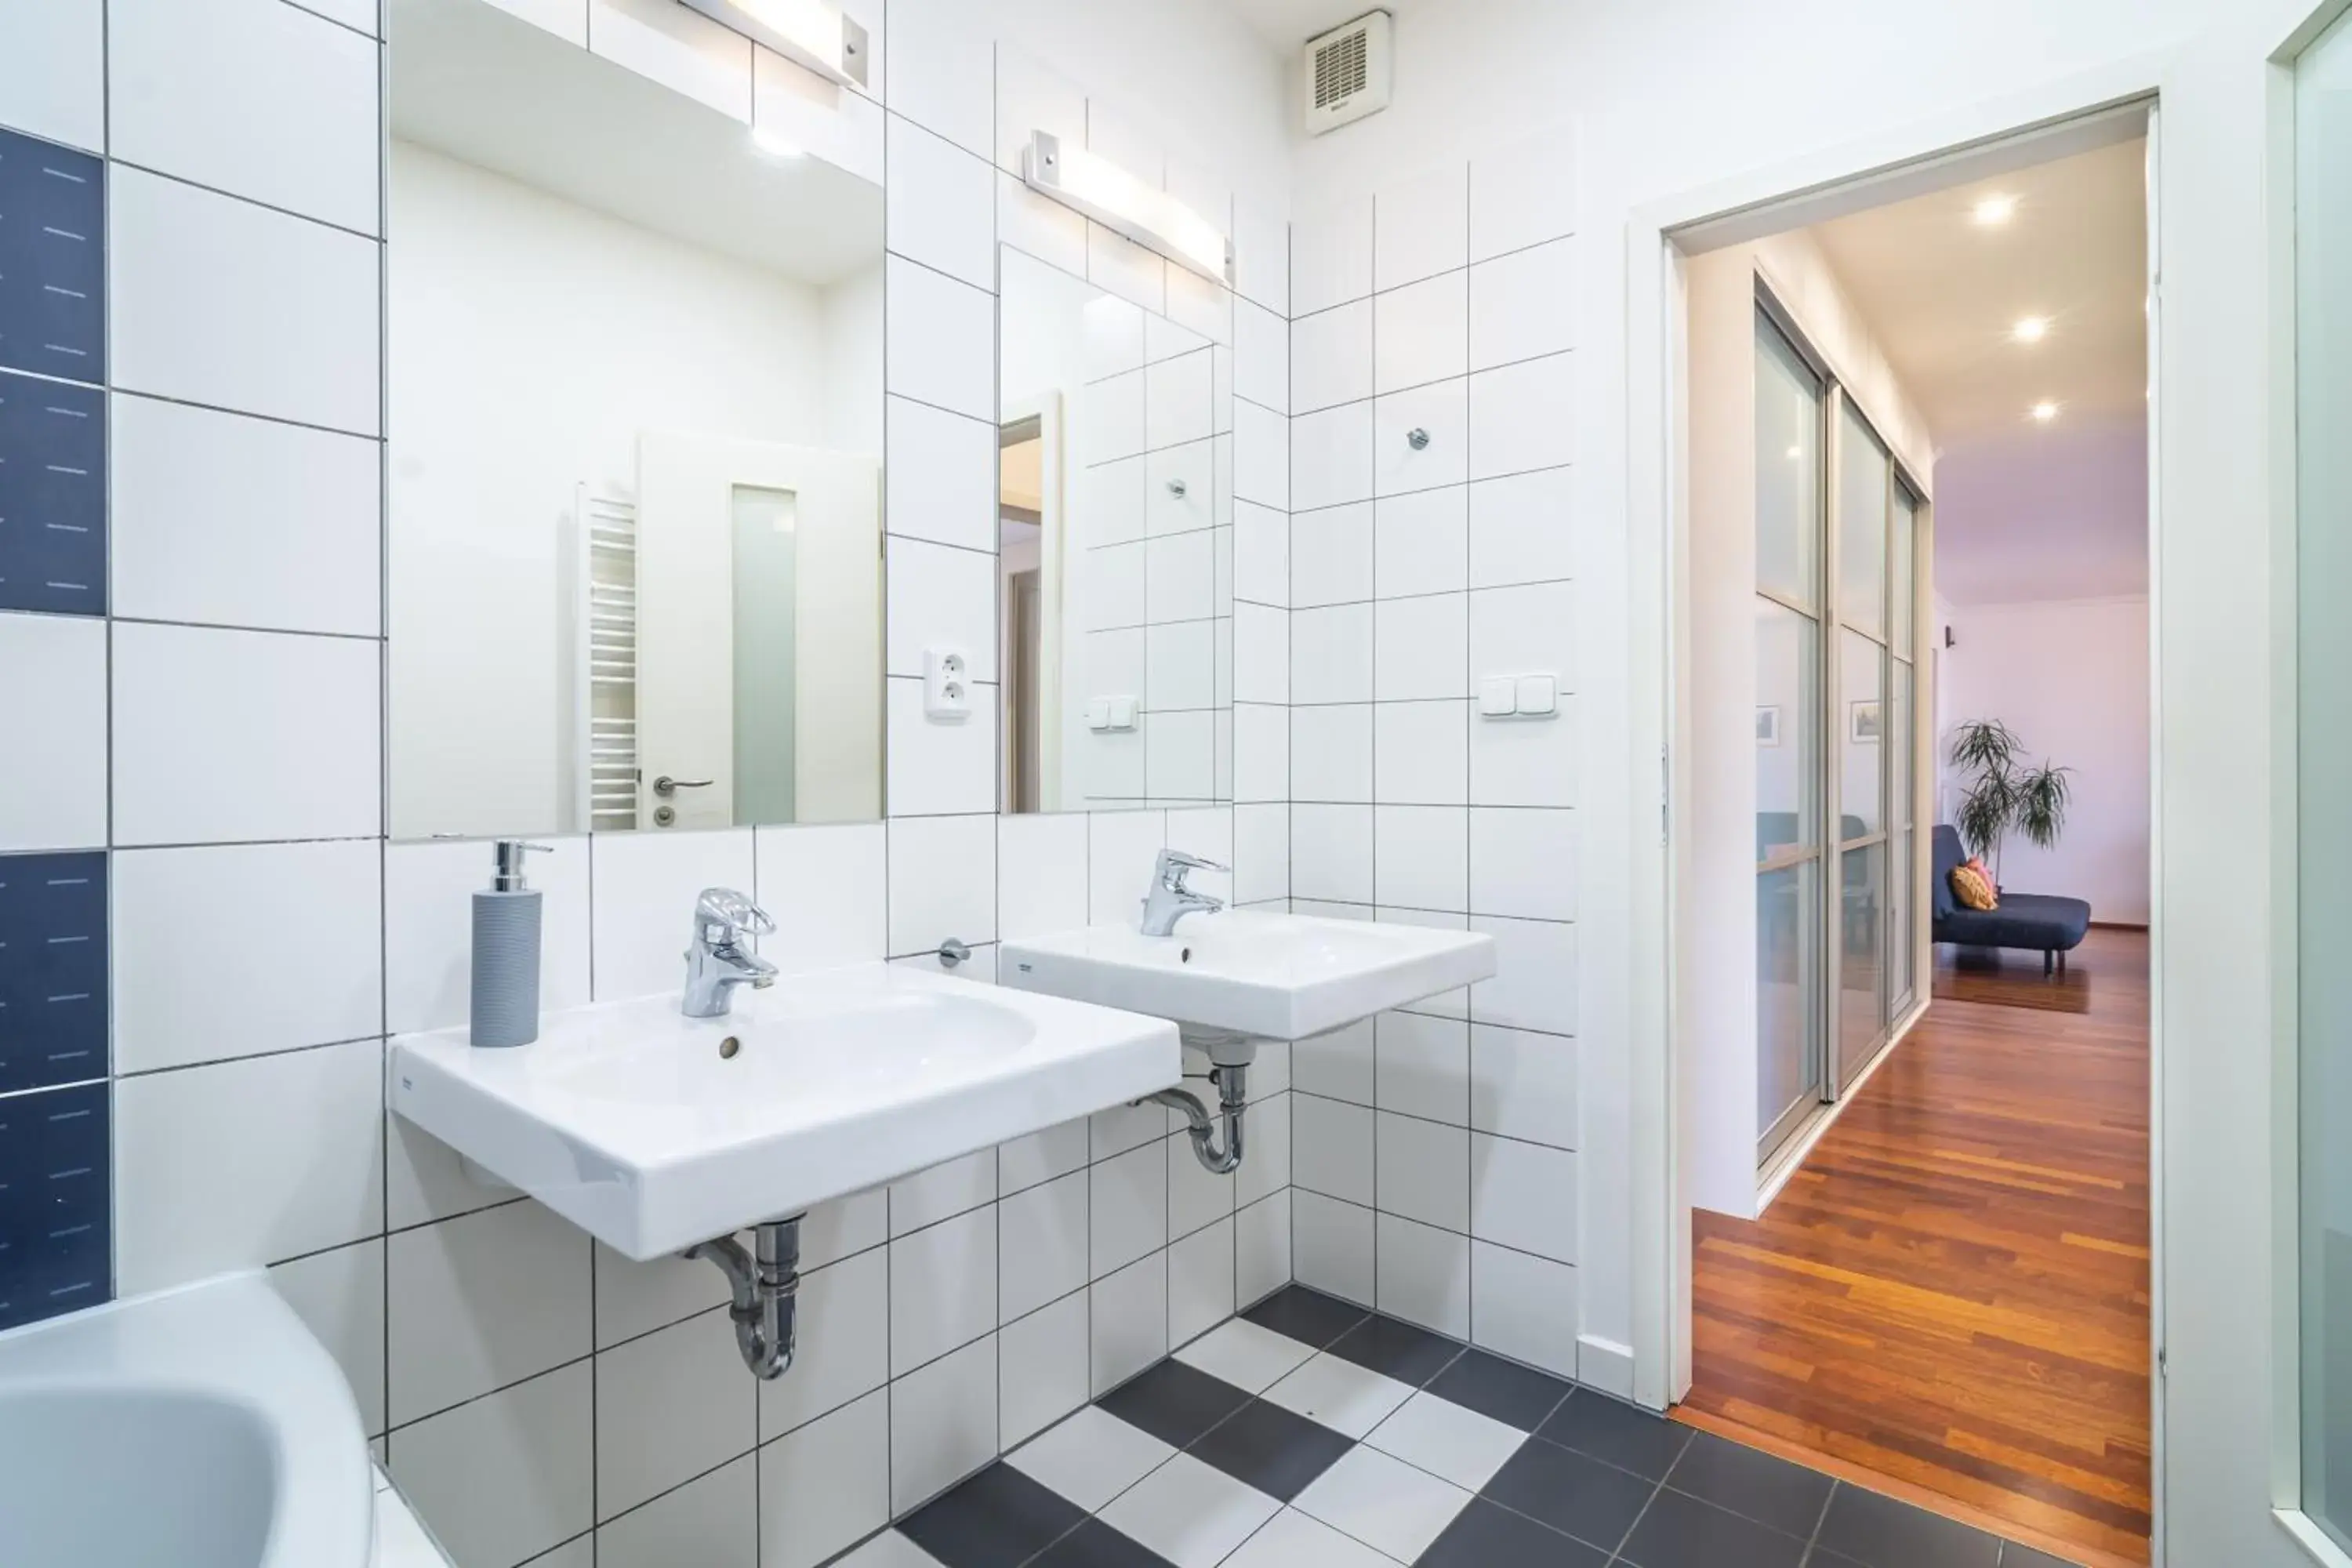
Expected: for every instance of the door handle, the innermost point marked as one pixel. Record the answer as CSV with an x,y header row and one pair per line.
x,y
666,785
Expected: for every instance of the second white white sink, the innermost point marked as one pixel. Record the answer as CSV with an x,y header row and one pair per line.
x,y
1251,973
654,1131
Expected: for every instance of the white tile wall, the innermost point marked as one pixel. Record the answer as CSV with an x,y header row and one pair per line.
x,y
241,765
1435,1155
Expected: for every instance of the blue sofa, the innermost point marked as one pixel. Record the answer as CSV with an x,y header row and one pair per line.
x,y
2036,923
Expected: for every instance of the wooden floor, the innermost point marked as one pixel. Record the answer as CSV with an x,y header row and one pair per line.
x,y
1953,1292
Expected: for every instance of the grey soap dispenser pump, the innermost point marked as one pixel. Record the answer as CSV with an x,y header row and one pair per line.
x,y
506,952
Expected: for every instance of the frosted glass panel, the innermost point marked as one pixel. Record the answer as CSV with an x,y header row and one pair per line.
x,y
1787,984
2323,413
1787,470
1903,539
1861,718
1788,726
1864,474
1861,973
767,628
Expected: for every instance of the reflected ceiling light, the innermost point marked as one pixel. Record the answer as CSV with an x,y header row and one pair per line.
x,y
2031,329
2045,411
775,144
806,32
1996,210
1796,453
1111,196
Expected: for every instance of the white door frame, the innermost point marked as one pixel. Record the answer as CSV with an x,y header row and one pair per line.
x,y
2225,1423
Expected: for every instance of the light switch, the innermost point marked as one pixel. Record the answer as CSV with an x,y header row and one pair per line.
x,y
1098,712
1122,713
947,684
1539,696
1498,696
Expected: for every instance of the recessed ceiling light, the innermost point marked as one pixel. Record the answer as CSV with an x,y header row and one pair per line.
x,y
2031,329
2045,411
1994,211
774,144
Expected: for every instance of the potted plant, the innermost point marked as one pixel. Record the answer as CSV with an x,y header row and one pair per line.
x,y
2003,793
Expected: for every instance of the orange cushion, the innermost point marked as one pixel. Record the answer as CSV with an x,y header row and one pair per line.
x,y
1973,888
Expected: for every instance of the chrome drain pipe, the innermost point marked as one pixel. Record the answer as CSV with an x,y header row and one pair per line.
x,y
766,1282
1233,1093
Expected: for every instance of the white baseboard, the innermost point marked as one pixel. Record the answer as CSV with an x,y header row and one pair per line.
x,y
1605,1364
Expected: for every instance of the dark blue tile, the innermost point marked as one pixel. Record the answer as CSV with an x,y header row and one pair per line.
x,y
1398,1350
1269,1447
1485,1536
1617,1432
1751,1483
1173,1402
52,260
1501,1390
998,1518
1680,1531
54,1248
1308,1316
53,992
1594,1502
1095,1544
52,495
1882,1532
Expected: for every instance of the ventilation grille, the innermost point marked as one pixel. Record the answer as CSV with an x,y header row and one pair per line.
x,y
1342,67
1347,72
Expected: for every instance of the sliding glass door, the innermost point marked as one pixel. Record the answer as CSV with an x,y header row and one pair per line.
x,y
1790,518
1836,607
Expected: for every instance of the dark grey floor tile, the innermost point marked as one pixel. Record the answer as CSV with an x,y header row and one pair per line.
x,y
1271,1448
1173,1402
1596,1503
2012,1555
1501,1390
1679,1531
1095,1544
1411,1355
1617,1432
1308,1316
998,1518
1485,1536
1751,1483
1880,1532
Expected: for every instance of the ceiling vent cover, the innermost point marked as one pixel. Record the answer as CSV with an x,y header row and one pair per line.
x,y
1348,72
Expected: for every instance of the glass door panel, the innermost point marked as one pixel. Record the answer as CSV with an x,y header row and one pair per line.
x,y
1788,470
1902,541
1787,1000
1899,866
2324,761
1787,731
1861,716
1862,971
1863,476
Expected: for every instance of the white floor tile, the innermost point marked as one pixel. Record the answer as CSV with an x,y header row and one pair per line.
x,y
1448,1441
890,1551
1190,1514
1383,1502
1091,1459
1246,1355
1349,1399
1293,1540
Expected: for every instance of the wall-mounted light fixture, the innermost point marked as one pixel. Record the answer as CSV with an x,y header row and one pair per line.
x,y
1118,201
806,32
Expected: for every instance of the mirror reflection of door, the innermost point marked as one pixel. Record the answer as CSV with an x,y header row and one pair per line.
x,y
1021,549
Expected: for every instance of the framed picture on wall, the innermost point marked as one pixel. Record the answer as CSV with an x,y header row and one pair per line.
x,y
1768,725
1863,724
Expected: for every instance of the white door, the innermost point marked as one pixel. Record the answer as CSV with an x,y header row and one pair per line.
x,y
759,633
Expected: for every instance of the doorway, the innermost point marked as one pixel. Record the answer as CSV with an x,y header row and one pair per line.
x,y
1918,1155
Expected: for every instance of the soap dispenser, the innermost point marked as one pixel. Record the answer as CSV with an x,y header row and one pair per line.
x,y
506,952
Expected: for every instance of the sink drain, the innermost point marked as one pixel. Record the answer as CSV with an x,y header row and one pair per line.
x,y
728,1048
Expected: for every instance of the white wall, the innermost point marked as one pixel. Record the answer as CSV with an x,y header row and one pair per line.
x,y
533,342
2071,678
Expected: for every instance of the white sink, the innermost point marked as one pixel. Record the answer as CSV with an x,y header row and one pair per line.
x,y
203,1428
654,1132
1245,973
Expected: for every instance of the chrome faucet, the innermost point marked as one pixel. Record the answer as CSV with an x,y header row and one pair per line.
x,y
1170,900
718,962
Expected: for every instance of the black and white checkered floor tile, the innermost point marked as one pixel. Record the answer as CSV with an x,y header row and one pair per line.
x,y
1310,1434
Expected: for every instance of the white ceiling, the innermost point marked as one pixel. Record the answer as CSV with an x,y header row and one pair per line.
x,y
1942,293
1286,23
471,81
2024,511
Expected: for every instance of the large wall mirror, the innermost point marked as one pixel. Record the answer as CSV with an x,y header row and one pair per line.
x,y
634,368
1115,549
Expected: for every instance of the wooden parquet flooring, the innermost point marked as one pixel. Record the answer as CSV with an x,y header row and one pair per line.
x,y
1953,1292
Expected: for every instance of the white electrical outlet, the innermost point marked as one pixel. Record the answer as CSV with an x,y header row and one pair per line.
x,y
947,684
